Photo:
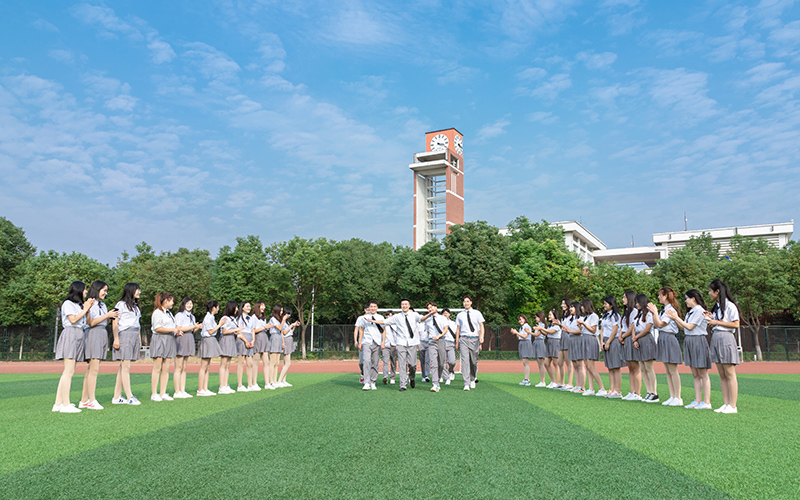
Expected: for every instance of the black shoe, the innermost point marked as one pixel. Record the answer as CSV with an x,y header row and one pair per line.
x,y
476,380
654,398
402,389
413,384
385,380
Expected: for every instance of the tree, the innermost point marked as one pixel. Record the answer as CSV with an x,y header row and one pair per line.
x,y
609,279
522,229
244,273
693,266
14,249
423,275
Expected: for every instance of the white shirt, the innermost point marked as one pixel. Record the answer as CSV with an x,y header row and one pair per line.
x,y
69,308
731,313
556,335
570,323
288,331
208,324
590,320
608,322
440,321
390,335
526,328
98,309
162,319
402,335
540,337
475,319
696,317
128,318
247,322
274,323
372,334
671,326
227,324
640,325
451,331
185,318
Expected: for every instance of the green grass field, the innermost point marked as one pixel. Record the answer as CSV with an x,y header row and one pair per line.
x,y
325,438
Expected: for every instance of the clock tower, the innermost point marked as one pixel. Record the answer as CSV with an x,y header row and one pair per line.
x,y
438,185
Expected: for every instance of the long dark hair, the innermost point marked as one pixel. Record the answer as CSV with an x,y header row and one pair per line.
x,y
641,301
541,318
577,306
129,296
565,314
230,309
94,291
631,296
614,312
587,307
211,304
672,297
724,297
182,307
75,293
276,311
256,311
287,310
241,309
698,297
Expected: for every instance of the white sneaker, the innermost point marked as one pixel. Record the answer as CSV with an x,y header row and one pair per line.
x,y
601,393
472,385
166,397
627,397
365,388
70,408
676,402
576,390
615,395
93,405
133,401
391,381
119,401
730,409
452,376
56,408
721,409
435,388
372,387
155,397
466,387
702,406
254,388
271,387
636,397
177,395
187,395
524,382
587,392
81,404
691,405
242,388
287,384
667,402
540,384
447,382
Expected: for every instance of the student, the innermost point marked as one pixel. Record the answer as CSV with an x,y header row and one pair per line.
x,y
564,365
227,345
245,340
276,325
288,348
70,343
630,355
591,349
450,346
261,344
612,349
371,340
668,348
96,342
645,345
357,331
575,353
553,349
724,320
437,326
525,347
389,353
162,344
184,345
424,355
469,339
695,347
540,348
407,339
209,347
127,342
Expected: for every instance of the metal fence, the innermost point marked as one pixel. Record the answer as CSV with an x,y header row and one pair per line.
x,y
778,343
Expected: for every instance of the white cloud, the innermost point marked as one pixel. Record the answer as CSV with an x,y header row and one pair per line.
x,y
674,43
161,51
532,74
61,55
543,117
355,26
597,61
552,87
622,16
213,64
452,72
683,91
523,20
44,25
492,130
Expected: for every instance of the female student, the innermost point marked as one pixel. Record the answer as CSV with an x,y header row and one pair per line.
x,y
288,347
96,342
540,348
645,345
70,342
276,325
227,345
612,349
127,342
245,340
668,348
564,366
525,347
162,344
185,345
553,348
575,353
695,348
209,347
591,349
724,320
261,343
630,355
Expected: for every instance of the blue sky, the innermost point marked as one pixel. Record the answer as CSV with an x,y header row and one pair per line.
x,y
188,123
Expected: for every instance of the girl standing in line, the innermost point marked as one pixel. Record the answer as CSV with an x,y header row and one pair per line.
x,y
591,349
525,347
209,347
612,349
669,350
70,342
127,342
96,343
644,343
630,355
288,347
695,348
553,348
227,345
162,344
576,347
185,345
724,320
245,340
564,365
261,342
276,325
540,348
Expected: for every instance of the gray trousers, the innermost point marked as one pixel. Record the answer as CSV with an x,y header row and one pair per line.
x,y
424,359
469,358
372,357
406,358
361,361
450,348
389,360
438,357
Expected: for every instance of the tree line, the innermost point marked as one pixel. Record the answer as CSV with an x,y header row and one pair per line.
x,y
527,271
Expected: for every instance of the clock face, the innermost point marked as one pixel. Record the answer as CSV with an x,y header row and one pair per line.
x,y
439,142
458,141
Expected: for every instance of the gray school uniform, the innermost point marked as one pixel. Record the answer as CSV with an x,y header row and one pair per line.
x,y
469,338
275,336
553,342
450,346
526,345
648,350
389,352
407,341
669,349
612,358
227,343
539,344
629,353
422,351
695,344
95,338
564,344
130,344
261,344
575,343
437,350
162,345
247,322
590,348
723,348
185,344
70,342
209,346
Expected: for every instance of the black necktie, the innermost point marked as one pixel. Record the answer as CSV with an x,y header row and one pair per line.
x,y
410,330
471,328
380,328
439,330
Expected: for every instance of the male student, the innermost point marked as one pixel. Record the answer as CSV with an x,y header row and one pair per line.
x,y
437,327
360,324
371,339
450,346
389,353
469,337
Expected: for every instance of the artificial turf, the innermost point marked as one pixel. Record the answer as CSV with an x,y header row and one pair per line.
x,y
325,438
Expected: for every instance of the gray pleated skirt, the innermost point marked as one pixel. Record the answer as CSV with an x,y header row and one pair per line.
x,y
276,343
129,345
696,352
590,346
242,350
290,345
575,348
553,346
648,350
630,353
163,346
613,357
539,348
525,349
564,342
227,345
209,347
261,343
723,348
185,344
669,350
95,343
70,343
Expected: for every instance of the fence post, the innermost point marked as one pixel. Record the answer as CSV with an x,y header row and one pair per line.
x,y
766,337
786,341
497,341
